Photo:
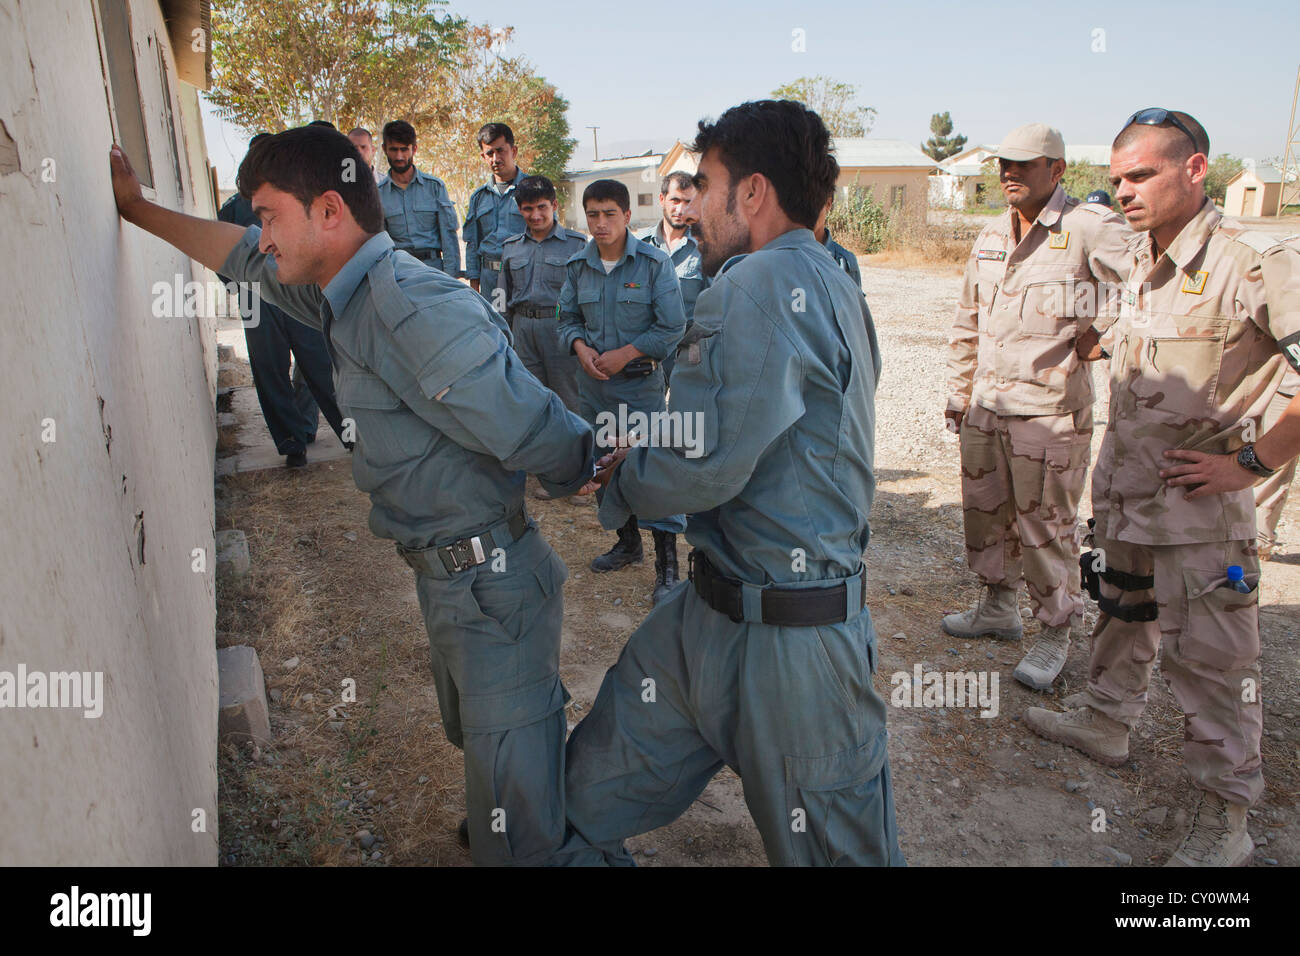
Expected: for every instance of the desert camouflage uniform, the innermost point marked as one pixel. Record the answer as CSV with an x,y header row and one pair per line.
x,y
1197,356
1270,494
1027,430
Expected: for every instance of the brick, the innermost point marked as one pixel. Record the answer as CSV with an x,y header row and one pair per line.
x,y
243,713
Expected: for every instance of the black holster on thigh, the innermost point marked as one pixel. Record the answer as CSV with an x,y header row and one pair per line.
x,y
1091,579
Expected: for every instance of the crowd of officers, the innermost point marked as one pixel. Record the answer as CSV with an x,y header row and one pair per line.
x,y
764,663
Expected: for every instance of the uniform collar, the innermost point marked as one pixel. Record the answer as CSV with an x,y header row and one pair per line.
x,y
492,183
1189,242
420,176
592,253
1051,213
787,240
339,290
656,236
557,231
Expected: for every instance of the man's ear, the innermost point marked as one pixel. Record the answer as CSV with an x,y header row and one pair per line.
x,y
332,208
1058,170
1197,166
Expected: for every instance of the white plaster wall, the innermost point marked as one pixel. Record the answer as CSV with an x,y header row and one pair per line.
x,y
81,347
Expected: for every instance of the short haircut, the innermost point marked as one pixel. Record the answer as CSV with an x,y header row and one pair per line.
x,y
785,142
400,132
679,178
257,139
606,189
307,162
322,123
361,130
494,131
533,188
1177,146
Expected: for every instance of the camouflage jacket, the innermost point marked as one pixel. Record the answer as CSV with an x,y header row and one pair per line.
x,y
1022,307
1199,351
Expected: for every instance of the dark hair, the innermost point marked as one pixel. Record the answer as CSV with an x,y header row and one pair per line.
x,y
494,131
1177,145
360,129
322,123
603,189
533,188
683,180
400,132
784,141
257,139
307,162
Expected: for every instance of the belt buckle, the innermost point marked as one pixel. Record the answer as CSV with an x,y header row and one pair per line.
x,y
466,553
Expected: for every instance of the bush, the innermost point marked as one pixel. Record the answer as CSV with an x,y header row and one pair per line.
x,y
863,226
858,222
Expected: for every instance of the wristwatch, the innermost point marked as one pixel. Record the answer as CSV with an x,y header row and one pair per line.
x,y
1247,459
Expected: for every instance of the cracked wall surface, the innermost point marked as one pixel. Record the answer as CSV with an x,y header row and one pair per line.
x,y
107,432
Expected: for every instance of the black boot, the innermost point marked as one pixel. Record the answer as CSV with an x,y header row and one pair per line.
x,y
626,551
665,564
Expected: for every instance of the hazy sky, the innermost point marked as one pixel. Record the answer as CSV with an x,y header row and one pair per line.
x,y
644,77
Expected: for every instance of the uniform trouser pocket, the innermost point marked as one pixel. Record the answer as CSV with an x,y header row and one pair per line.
x,y
1219,626
841,808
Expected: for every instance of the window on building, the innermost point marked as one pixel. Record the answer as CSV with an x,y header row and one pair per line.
x,y
169,122
896,196
645,199
124,86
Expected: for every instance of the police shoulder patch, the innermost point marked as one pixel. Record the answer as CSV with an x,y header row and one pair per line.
x,y
1059,240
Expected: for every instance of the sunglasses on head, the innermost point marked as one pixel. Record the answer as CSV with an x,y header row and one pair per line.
x,y
1155,116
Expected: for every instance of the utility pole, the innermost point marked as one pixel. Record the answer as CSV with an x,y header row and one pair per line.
x,y
595,148
1288,193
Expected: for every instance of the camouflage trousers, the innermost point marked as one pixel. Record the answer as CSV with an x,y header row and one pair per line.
x,y
1021,481
1210,655
1270,494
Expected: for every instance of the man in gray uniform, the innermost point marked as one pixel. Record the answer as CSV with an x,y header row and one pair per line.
x,y
673,236
447,422
621,314
418,212
492,216
532,278
764,662
845,259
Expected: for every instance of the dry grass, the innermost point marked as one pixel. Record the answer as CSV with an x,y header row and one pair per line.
x,y
347,610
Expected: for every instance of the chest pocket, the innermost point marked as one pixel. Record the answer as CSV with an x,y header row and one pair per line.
x,y
1179,368
1051,305
425,208
633,310
553,272
387,432
589,305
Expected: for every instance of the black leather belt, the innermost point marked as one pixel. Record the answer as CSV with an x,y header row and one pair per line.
x,y
786,607
535,313
444,561
424,255
491,262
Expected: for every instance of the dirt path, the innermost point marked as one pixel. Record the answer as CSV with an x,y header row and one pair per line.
x,y
968,789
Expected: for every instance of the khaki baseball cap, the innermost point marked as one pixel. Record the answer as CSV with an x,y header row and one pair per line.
x,y
1031,141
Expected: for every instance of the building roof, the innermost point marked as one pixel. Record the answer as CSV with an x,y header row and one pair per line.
x,y
855,152
617,164
1262,171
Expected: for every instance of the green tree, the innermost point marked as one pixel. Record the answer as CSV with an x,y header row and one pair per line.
x,y
834,102
943,143
282,63
858,222
1223,168
1082,178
